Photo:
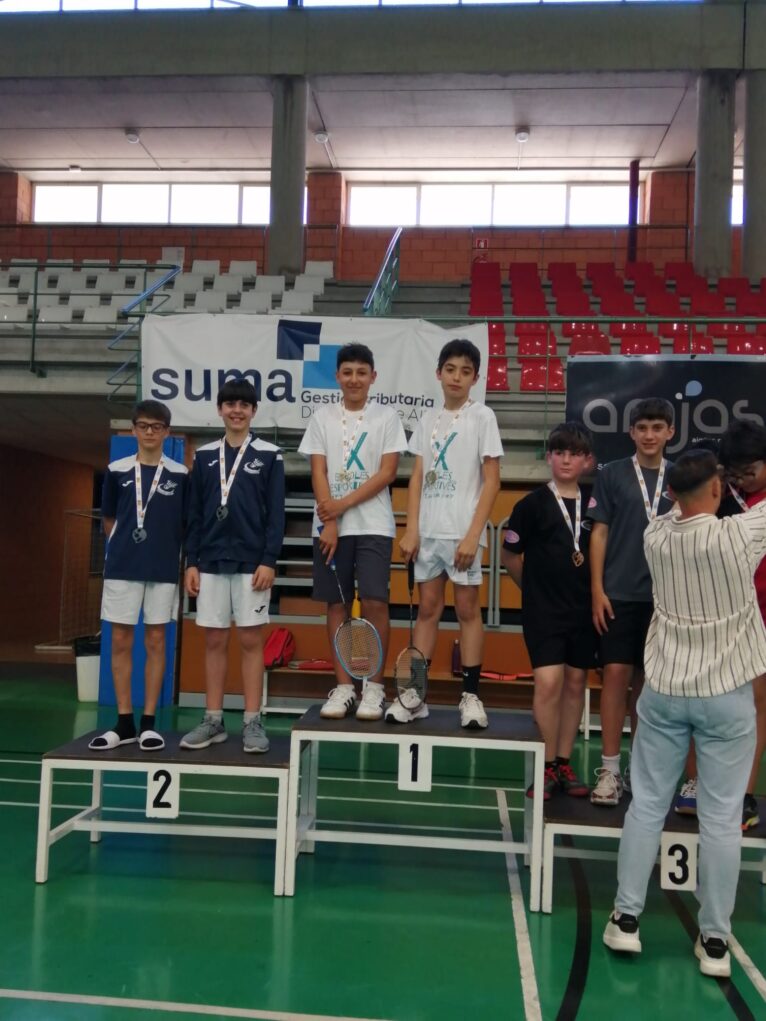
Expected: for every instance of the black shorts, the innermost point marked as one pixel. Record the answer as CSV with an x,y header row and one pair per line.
x,y
363,564
625,640
575,647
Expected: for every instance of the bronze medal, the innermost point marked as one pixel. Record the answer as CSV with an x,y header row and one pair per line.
x,y
578,558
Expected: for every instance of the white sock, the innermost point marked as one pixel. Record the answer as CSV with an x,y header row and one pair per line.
x,y
612,763
215,714
247,717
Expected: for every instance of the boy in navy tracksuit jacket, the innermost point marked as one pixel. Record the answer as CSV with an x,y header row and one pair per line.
x,y
234,535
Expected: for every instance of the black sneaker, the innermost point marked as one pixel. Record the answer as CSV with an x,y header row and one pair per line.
x,y
713,955
750,815
621,933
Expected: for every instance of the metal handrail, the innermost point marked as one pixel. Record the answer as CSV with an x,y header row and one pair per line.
x,y
378,301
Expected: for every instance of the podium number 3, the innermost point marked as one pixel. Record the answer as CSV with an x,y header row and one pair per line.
x,y
678,861
163,793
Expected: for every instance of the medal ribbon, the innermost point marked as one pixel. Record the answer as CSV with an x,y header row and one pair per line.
x,y
565,513
226,484
142,507
435,447
348,444
651,508
738,497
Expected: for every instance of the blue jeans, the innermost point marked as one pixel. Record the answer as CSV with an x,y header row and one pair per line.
x,y
723,728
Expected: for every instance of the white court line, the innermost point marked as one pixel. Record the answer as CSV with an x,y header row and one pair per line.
x,y
747,965
169,1006
532,1011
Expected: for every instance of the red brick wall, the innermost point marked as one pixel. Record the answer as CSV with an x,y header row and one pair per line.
x,y
437,254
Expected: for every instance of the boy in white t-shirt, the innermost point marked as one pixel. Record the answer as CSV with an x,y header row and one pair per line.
x,y
354,447
454,483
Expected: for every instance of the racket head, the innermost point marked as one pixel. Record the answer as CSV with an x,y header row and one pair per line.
x,y
358,648
411,677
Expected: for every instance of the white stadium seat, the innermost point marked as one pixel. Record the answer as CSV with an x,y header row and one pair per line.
x,y
255,301
274,285
309,284
210,301
314,268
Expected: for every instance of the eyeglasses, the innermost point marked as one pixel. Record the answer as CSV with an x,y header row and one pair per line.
x,y
747,475
150,427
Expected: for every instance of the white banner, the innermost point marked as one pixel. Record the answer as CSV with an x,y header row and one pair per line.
x,y
291,363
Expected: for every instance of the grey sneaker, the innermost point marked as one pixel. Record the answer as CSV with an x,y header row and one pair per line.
x,y
210,731
254,737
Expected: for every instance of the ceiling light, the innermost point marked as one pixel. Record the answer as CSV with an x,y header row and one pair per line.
x,y
132,136
75,168
522,135
322,137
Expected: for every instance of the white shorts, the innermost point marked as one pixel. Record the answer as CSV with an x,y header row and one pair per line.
x,y
226,597
122,601
437,557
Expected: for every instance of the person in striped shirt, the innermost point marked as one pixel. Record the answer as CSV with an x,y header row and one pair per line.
x,y
706,644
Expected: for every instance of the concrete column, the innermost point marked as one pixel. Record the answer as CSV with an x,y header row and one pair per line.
x,y
754,225
714,173
288,174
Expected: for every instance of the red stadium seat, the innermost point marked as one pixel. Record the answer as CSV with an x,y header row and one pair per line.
x,y
618,304
523,274
650,284
589,344
487,273
574,304
567,285
678,270
531,345
751,345
639,270
523,329
646,345
600,270
530,303
733,287
751,304
725,330
698,344
497,375
628,329
539,374
707,304
576,328
689,287
663,303
496,339
673,330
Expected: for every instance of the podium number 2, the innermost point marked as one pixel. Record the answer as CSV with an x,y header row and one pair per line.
x,y
678,861
163,789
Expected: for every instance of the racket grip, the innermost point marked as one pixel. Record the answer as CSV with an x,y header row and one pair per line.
x,y
411,575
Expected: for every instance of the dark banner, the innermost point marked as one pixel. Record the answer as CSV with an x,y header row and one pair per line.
x,y
707,393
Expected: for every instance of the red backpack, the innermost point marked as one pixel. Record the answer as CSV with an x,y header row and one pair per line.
x,y
279,648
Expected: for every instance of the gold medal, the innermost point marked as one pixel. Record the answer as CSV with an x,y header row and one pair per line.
x,y
578,558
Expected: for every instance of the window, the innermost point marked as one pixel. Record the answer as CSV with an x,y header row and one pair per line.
x,y
66,203
455,205
598,205
383,206
256,204
204,203
737,205
134,203
530,205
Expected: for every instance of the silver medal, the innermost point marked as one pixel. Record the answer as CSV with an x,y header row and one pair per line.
x,y
222,512
139,535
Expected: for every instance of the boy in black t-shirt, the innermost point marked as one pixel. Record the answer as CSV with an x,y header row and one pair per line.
x,y
545,551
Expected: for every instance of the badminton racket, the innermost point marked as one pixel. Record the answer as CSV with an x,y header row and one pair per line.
x,y
411,667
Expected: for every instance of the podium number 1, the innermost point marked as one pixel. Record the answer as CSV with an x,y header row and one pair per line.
x,y
163,791
414,766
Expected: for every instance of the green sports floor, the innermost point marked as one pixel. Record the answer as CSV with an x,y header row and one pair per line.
x,y
156,927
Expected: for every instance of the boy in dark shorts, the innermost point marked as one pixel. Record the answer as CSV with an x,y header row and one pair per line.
x,y
235,530
354,449
628,494
545,551
143,508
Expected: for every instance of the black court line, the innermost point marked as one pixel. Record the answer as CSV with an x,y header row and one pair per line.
x,y
578,971
733,996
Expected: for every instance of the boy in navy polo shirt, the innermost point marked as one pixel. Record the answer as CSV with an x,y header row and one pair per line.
x,y
235,530
142,507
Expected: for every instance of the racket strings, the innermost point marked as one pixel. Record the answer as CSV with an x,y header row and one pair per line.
x,y
358,647
411,670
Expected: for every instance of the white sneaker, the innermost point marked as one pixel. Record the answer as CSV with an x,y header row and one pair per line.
x,y
340,702
472,715
398,713
373,702
608,789
621,933
713,955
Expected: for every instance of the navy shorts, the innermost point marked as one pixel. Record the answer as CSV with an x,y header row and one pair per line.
x,y
363,565
625,640
575,647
